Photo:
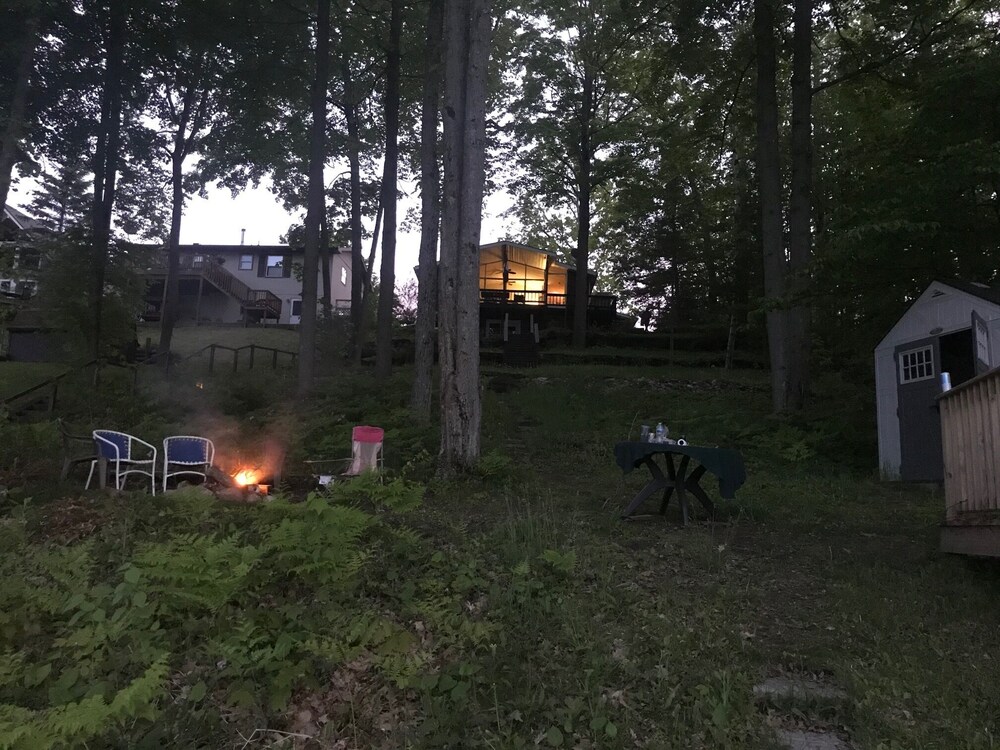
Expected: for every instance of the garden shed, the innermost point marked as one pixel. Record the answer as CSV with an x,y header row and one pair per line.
x,y
953,327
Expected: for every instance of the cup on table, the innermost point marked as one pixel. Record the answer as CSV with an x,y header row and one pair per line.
x,y
644,433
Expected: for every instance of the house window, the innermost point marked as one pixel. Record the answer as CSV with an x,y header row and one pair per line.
x,y
275,266
29,260
343,275
198,261
916,364
246,262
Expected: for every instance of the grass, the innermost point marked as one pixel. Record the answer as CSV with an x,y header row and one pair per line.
x,y
515,609
16,377
188,340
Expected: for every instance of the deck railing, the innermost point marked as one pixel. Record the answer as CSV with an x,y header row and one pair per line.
x,y
970,433
543,299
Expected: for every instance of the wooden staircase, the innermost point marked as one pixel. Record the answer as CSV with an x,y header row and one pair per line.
x,y
250,299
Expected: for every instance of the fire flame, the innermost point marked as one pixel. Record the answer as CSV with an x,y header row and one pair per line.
x,y
243,477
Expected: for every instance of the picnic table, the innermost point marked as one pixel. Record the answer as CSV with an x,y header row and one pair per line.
x,y
725,463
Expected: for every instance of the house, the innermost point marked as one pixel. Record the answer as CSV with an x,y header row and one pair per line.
x,y
246,284
952,327
524,288
20,257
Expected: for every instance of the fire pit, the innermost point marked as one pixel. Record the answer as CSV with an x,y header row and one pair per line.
x,y
247,485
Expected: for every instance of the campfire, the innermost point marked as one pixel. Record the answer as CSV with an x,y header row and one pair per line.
x,y
242,485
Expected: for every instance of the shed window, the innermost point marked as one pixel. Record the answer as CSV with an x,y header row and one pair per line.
x,y
246,262
916,364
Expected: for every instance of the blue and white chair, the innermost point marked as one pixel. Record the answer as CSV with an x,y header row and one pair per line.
x,y
187,455
125,454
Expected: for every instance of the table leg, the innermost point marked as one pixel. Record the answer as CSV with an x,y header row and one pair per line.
x,y
693,485
658,482
678,478
102,472
669,459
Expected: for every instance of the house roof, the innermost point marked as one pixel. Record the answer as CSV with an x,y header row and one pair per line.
x,y
21,220
196,248
529,248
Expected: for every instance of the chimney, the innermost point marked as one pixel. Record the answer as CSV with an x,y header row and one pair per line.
x,y
243,234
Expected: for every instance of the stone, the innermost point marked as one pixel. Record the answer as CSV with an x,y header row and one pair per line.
x,y
798,690
797,739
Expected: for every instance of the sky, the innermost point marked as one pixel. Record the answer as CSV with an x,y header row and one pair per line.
x,y
218,219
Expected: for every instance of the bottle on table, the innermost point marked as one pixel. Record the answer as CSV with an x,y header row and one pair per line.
x,y
661,433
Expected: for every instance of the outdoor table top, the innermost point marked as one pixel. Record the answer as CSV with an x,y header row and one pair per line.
x,y
724,463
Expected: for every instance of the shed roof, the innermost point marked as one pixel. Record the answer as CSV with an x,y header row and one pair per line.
x,y
984,292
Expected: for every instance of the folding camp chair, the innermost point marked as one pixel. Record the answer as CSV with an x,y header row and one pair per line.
x,y
119,450
188,455
366,455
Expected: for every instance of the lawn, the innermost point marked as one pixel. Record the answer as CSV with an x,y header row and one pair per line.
x,y
188,340
508,609
16,377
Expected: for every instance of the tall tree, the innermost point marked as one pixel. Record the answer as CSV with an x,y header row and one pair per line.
x,y
467,33
769,190
107,155
15,110
316,208
430,216
387,273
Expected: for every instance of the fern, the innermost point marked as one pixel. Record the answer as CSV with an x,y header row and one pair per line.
x,y
90,718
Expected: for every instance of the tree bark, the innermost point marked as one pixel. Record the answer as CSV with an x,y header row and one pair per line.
x,y
17,112
581,254
800,207
357,250
181,148
316,209
430,218
106,157
387,273
467,42
769,190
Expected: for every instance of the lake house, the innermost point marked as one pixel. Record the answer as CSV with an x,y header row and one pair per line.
x,y
249,284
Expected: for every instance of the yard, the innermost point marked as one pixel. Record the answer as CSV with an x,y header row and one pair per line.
x,y
511,609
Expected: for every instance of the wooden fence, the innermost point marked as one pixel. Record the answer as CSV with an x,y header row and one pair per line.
x,y
48,389
970,433
251,359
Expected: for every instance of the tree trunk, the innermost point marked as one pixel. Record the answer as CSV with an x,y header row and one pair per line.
x,y
430,218
387,274
357,251
106,161
769,182
581,255
467,41
800,206
181,148
168,315
316,208
18,109
326,300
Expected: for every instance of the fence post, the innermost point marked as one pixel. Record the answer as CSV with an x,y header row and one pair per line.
x,y
274,359
236,359
52,396
211,358
253,347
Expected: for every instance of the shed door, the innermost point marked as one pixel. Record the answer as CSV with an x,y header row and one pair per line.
x,y
981,343
917,370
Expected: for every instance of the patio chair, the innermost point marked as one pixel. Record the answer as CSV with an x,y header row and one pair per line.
x,y
127,454
366,455
188,455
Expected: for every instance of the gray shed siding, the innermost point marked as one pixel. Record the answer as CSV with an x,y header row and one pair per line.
x,y
939,307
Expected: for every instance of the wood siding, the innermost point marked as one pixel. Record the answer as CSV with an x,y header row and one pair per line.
x,y
970,428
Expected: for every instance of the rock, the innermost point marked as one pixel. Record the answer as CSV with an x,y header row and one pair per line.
x,y
231,495
796,739
797,690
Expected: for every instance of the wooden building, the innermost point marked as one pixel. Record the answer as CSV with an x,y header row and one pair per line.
x,y
523,287
953,327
